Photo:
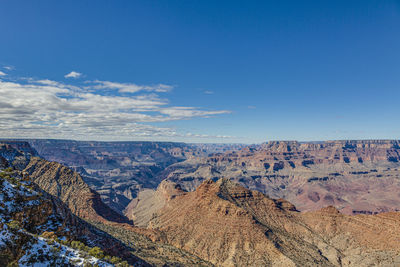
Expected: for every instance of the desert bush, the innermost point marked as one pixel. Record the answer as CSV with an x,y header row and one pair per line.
x,y
123,264
65,242
115,260
14,225
96,252
49,235
107,258
78,245
55,250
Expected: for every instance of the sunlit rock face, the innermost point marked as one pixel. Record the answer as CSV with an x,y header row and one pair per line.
x,y
354,176
119,170
229,225
34,219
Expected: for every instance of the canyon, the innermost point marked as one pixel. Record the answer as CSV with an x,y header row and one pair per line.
x,y
281,203
230,225
354,176
119,170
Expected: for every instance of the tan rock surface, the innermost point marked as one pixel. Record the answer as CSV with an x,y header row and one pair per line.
x,y
69,187
355,176
229,225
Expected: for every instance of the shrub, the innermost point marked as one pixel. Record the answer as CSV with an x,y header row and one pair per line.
x,y
107,258
65,242
123,264
14,225
96,252
49,235
78,245
55,250
115,260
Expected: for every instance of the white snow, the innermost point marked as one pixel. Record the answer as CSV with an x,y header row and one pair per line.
x,y
65,254
38,253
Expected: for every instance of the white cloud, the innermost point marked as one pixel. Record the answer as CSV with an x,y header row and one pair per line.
x,y
8,67
189,112
208,92
73,74
131,87
50,109
2,73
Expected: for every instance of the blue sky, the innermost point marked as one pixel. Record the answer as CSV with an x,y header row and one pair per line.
x,y
200,71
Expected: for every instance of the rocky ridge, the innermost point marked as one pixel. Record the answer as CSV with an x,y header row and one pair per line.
x,y
354,176
36,228
68,185
62,186
59,181
229,225
119,170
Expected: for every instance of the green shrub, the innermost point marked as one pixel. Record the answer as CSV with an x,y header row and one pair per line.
x,y
65,242
78,245
14,225
96,252
123,264
115,260
107,258
55,250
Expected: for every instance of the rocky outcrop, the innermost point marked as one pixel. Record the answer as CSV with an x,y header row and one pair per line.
x,y
119,170
328,152
27,211
229,225
59,195
21,146
148,202
59,181
354,176
10,155
67,185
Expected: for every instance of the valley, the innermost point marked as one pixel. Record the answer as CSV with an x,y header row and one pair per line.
x,y
275,204
119,170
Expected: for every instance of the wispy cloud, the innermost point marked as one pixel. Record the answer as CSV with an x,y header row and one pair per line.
x,y
51,109
73,74
8,67
130,87
2,73
189,112
208,92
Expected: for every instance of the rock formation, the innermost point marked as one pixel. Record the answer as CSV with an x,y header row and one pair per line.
x,y
67,185
27,212
354,176
119,170
49,197
229,225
